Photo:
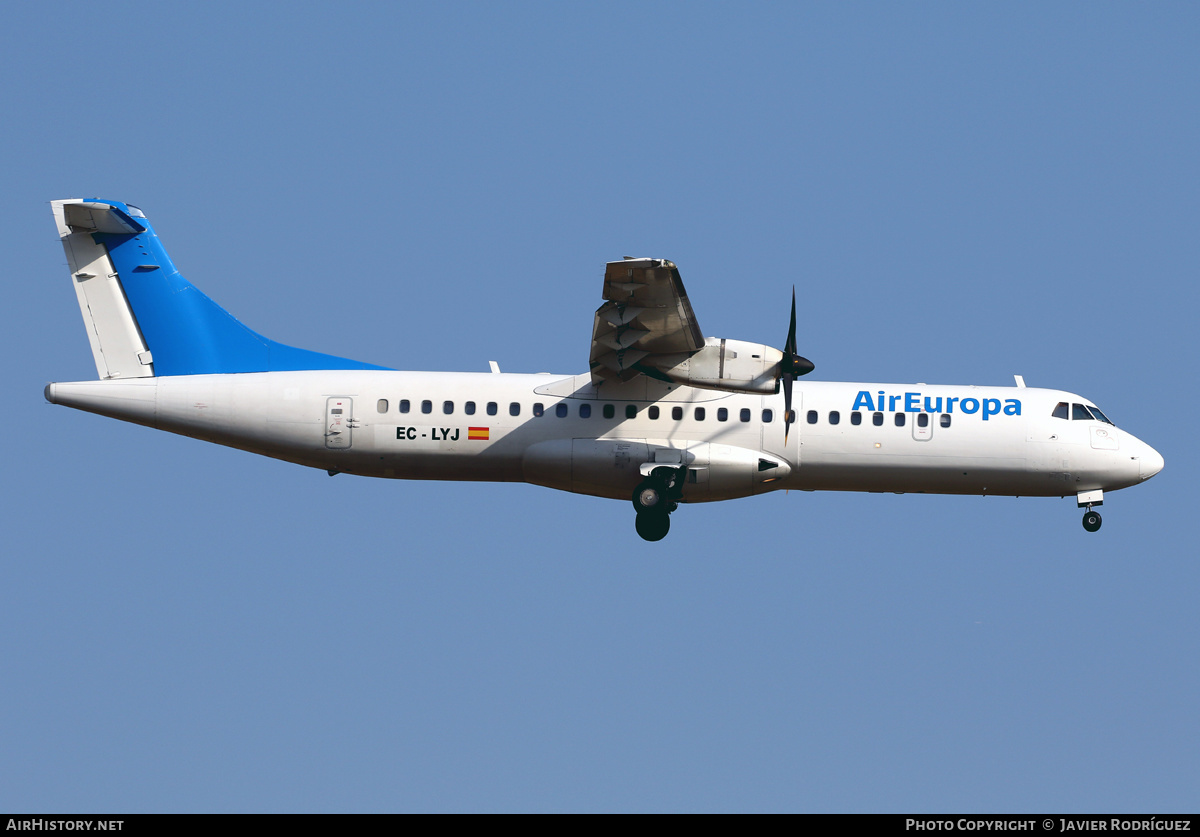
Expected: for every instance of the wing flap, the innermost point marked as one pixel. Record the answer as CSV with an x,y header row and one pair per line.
x,y
646,313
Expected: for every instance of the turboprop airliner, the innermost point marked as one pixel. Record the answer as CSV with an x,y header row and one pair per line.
x,y
664,416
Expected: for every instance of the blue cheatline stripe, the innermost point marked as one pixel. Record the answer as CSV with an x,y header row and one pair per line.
x,y
187,333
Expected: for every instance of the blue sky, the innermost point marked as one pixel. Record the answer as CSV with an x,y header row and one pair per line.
x,y
959,192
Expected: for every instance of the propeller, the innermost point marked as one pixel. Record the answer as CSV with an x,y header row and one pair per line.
x,y
791,367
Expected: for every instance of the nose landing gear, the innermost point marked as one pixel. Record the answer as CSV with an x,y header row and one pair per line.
x,y
1085,500
654,499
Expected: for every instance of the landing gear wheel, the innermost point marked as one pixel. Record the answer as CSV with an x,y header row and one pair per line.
x,y
650,495
653,525
654,499
1091,521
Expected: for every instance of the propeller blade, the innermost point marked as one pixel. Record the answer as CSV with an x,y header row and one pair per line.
x,y
789,347
791,367
787,407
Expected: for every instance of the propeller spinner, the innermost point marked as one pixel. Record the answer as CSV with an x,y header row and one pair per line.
x,y
791,367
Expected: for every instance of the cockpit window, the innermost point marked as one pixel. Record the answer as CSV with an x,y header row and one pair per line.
x,y
1080,413
1060,411
1099,415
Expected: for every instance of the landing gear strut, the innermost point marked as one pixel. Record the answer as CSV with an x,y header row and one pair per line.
x,y
1085,500
654,499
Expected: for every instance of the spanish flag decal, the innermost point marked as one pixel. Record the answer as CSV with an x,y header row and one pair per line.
x,y
479,434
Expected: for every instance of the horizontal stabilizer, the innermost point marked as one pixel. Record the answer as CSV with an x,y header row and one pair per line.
x,y
91,216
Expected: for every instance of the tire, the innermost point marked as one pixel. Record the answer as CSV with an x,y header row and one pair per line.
x,y
652,526
1092,521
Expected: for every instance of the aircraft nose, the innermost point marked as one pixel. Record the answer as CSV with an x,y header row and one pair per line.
x,y
1151,462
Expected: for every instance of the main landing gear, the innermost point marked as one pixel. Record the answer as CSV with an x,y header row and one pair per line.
x,y
654,499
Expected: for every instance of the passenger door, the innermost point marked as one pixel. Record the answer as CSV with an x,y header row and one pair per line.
x,y
339,422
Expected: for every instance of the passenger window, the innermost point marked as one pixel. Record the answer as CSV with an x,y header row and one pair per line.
x,y
630,411
491,408
790,416
1080,413
677,413
609,411
653,412
744,415
382,405
922,419
560,410
812,416
699,414
899,419
426,406
722,414
1060,410
448,407
835,417
404,405
514,409
469,408
538,410
877,419
856,418
768,416
585,410
944,421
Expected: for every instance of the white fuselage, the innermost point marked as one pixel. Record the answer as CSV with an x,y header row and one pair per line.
x,y
563,432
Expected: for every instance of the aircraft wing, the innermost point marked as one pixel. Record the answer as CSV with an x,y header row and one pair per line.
x,y
646,323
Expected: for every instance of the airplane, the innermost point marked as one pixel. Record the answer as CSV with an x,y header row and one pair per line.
x,y
664,416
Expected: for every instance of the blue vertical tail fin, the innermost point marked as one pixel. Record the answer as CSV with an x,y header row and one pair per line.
x,y
143,318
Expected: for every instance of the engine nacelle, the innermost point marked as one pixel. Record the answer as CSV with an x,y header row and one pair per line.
x,y
727,365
